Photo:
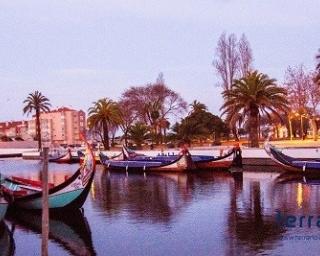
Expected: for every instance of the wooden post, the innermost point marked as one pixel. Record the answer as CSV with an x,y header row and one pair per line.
x,y
45,209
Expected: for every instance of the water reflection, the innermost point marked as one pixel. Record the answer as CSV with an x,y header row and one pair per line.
x,y
70,230
251,228
297,193
152,198
7,246
198,213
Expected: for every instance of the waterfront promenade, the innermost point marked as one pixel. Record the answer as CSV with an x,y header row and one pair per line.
x,y
251,156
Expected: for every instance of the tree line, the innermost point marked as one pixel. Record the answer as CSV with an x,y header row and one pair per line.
x,y
143,113
251,99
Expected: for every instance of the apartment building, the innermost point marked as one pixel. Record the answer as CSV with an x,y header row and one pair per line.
x,y
14,129
60,126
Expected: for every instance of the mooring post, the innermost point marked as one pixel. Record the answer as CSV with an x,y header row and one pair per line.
x,y
45,208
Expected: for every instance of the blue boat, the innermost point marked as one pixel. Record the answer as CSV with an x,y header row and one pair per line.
x,y
129,160
291,163
181,163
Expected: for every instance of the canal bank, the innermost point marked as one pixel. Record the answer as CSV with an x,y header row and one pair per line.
x,y
251,156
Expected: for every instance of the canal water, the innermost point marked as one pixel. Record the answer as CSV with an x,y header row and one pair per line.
x,y
199,213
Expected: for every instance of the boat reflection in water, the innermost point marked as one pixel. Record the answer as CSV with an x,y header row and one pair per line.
x,y
244,208
69,229
7,246
252,227
196,213
146,199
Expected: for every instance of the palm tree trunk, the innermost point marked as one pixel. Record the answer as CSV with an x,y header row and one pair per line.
x,y
126,138
235,134
253,127
105,136
259,127
38,129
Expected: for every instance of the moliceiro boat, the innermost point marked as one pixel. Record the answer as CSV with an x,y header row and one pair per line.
x,y
64,159
181,163
290,163
72,193
224,161
232,157
132,161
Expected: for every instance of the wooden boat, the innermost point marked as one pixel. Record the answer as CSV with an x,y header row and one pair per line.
x,y
64,159
70,230
232,157
7,245
291,163
72,193
180,164
81,156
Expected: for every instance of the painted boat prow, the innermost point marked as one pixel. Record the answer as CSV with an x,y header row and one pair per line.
x,y
68,195
290,163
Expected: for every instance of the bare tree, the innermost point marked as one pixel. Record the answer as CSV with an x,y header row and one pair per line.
x,y
314,92
233,60
154,101
127,117
227,59
304,94
245,56
296,82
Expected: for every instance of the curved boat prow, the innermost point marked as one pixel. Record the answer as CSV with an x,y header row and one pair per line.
x,y
70,194
103,157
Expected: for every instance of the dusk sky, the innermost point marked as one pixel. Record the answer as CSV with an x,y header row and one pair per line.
x,y
76,52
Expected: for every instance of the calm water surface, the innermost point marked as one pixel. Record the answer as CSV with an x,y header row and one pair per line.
x,y
204,213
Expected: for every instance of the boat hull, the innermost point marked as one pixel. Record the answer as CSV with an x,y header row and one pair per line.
x,y
181,164
70,194
65,159
292,164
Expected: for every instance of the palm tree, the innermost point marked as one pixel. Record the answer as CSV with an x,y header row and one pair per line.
x,y
251,96
104,114
36,102
138,133
197,106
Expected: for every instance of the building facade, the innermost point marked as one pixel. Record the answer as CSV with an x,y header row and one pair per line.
x,y
15,129
60,126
